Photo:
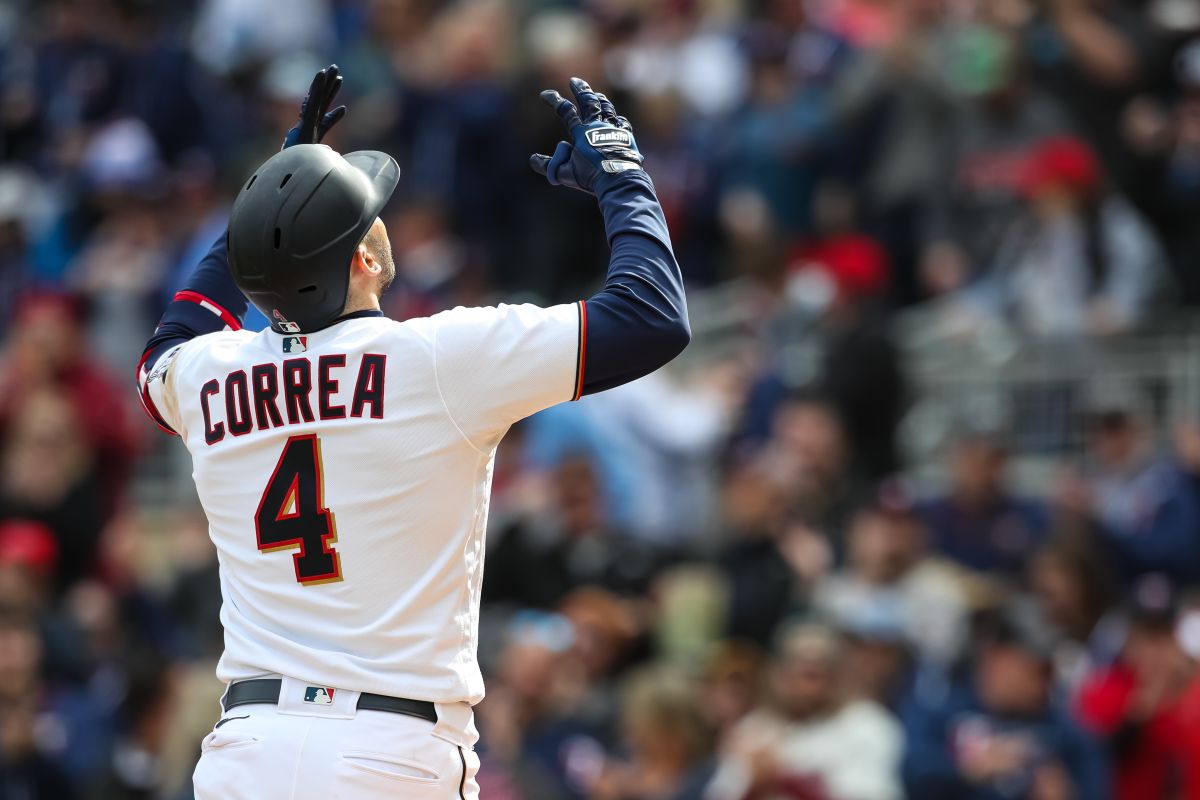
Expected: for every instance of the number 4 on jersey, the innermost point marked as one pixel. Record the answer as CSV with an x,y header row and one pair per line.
x,y
292,513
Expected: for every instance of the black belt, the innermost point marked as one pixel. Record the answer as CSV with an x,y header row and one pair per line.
x,y
266,690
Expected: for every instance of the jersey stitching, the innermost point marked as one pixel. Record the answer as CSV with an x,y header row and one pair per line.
x,y
442,397
466,597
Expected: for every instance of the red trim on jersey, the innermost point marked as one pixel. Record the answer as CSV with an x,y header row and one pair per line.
x,y
581,363
142,363
147,401
212,305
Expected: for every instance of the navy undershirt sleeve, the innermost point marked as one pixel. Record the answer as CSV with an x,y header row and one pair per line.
x,y
209,302
638,321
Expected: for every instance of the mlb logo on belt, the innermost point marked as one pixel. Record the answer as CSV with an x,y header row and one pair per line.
x,y
319,695
295,344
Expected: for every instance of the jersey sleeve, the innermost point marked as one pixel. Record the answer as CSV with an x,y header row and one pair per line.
x,y
496,365
156,388
209,302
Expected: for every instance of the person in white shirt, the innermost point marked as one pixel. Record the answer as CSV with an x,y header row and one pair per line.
x,y
812,741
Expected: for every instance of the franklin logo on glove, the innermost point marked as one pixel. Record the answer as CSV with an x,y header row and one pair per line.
x,y
601,136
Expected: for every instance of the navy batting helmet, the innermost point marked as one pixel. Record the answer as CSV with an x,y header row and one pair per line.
x,y
295,226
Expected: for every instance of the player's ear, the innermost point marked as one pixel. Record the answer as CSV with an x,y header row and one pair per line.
x,y
363,260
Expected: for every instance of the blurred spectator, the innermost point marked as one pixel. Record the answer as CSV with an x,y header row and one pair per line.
x,y
28,563
1072,592
776,142
897,99
47,353
809,442
1163,137
539,739
536,562
1094,55
48,473
880,664
754,561
667,741
194,598
1078,260
1003,735
135,765
1138,705
732,685
25,769
1139,500
860,373
889,569
1002,120
812,743
979,523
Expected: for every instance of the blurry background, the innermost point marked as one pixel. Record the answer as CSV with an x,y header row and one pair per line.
x,y
916,515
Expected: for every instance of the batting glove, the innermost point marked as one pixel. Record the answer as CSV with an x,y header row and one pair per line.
x,y
315,118
601,141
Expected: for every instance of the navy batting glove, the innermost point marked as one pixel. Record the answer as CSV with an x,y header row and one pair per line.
x,y
601,142
315,117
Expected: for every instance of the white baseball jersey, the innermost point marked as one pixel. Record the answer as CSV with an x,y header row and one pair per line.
x,y
346,476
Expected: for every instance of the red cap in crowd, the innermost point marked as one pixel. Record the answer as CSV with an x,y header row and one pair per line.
x,y
28,544
1063,162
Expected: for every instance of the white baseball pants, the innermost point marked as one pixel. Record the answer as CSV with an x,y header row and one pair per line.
x,y
258,752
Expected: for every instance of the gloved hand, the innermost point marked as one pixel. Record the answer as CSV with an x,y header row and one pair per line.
x,y
315,118
601,142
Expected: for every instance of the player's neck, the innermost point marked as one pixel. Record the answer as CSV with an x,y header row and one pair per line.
x,y
366,302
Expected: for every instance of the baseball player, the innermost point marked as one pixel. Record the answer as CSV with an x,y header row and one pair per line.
x,y
344,460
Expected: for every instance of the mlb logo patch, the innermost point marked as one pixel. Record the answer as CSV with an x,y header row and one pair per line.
x,y
319,695
294,344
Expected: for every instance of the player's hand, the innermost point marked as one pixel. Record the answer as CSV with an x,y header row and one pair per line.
x,y
315,117
601,142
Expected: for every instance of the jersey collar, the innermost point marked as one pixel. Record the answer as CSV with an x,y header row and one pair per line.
x,y
366,312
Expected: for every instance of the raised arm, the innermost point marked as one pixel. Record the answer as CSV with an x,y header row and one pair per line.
x,y
638,322
210,301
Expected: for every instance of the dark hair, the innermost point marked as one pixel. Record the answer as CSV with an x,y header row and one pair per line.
x,y
1079,556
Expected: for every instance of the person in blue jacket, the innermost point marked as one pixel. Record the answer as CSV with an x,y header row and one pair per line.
x,y
1001,735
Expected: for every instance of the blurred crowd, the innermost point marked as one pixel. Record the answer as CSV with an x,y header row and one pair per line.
x,y
719,582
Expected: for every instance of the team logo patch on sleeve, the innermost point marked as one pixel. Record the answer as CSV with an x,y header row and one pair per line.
x,y
295,344
319,695
164,364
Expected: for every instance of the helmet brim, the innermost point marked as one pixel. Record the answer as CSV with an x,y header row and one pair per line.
x,y
382,171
